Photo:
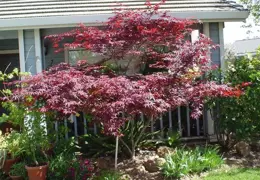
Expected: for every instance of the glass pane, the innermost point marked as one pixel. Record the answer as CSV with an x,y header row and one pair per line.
x,y
81,54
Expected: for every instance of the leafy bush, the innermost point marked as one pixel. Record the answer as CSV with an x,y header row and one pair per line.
x,y
69,166
135,135
65,146
18,169
58,168
238,118
183,162
81,169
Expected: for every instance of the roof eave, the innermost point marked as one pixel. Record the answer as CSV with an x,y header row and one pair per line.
x,y
70,21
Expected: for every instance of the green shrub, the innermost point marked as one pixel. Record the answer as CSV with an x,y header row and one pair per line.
x,y
58,167
183,162
18,169
237,118
69,166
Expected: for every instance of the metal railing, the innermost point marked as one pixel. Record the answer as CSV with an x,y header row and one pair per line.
x,y
176,120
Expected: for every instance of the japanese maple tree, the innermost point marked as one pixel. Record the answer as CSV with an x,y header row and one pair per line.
x,y
146,65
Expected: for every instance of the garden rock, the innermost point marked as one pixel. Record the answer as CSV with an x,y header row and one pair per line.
x,y
104,162
125,177
151,166
164,150
160,161
243,148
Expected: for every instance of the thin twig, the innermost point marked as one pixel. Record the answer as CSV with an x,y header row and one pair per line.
x,y
128,148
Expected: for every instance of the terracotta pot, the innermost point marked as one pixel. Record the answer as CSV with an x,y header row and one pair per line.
x,y
37,173
16,177
8,164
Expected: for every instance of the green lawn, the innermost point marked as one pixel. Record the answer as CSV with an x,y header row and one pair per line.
x,y
235,174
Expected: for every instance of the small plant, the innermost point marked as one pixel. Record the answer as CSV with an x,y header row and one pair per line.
x,y
18,169
109,175
59,166
135,136
81,169
173,139
183,162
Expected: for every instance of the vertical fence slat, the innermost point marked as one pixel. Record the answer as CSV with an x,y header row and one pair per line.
x,y
188,120
198,127
57,130
74,118
161,125
179,120
142,116
205,118
85,124
152,128
170,120
66,129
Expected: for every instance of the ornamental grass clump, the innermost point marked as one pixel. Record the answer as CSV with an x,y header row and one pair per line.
x,y
189,161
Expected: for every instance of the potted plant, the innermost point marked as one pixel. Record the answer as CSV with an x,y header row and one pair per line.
x,y
35,145
18,171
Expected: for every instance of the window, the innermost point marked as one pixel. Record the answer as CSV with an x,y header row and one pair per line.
x,y
72,56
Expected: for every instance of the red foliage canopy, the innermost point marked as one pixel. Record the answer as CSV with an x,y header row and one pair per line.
x,y
139,40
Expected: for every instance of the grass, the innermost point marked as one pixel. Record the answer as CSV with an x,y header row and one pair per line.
x,y
235,174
